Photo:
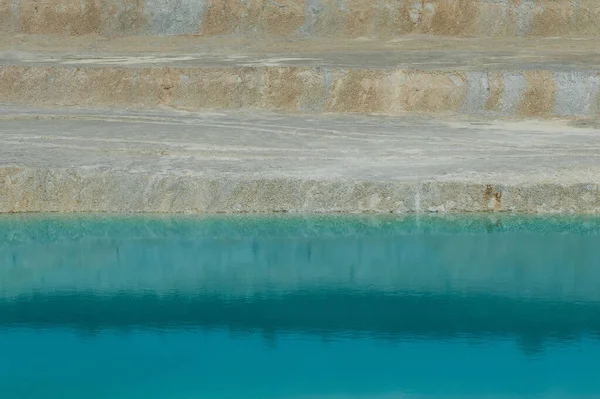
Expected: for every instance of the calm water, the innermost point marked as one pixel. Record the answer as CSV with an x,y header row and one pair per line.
x,y
291,307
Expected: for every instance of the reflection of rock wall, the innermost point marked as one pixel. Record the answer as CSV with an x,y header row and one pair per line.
x,y
342,18
323,312
356,254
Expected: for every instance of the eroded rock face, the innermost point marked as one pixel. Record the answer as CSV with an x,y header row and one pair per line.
x,y
97,161
526,93
70,190
303,18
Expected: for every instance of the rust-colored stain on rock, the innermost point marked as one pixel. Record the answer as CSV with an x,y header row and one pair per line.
x,y
498,201
492,198
487,194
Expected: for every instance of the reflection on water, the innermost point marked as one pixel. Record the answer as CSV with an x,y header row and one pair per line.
x,y
290,307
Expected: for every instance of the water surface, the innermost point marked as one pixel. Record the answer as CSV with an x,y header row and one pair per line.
x,y
299,307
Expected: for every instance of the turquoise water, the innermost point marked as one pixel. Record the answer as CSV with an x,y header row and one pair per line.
x,y
297,307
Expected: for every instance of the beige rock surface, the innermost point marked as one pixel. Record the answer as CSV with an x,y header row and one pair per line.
x,y
480,106
93,161
524,77
303,18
